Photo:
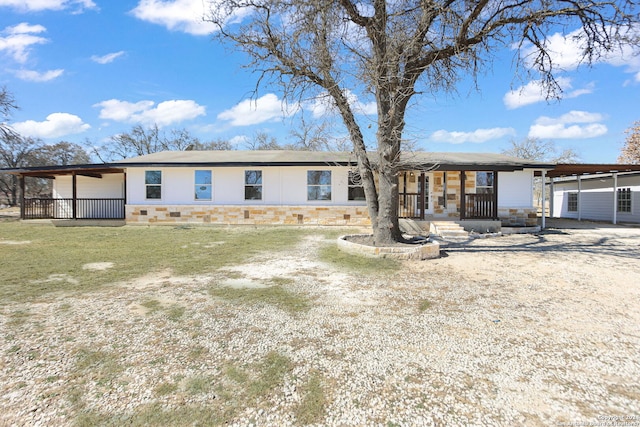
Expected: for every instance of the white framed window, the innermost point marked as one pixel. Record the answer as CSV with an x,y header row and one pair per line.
x,y
572,202
624,200
153,184
356,190
319,185
203,185
253,185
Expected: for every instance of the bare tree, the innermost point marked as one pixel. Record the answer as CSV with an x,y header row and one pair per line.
x,y
395,50
15,152
630,152
7,104
141,141
537,149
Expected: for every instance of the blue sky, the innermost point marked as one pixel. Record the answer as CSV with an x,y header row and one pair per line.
x,y
89,69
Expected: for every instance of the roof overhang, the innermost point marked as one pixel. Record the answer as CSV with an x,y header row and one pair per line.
x,y
91,170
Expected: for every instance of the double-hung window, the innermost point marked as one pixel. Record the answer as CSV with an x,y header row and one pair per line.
x,y
624,200
203,185
356,191
253,185
319,185
484,182
572,202
153,184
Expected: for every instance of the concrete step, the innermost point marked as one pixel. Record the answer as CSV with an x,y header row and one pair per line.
x,y
448,230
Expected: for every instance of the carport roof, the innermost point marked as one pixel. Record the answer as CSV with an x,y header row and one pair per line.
x,y
575,169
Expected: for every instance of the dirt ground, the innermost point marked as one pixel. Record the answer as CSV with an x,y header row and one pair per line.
x,y
514,330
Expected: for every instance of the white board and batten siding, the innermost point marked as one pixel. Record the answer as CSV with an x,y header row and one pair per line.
x,y
515,189
596,199
280,186
110,186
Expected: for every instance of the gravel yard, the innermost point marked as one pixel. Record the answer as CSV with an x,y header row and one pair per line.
x,y
532,330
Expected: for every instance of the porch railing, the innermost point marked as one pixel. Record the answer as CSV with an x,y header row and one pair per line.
x,y
480,206
48,208
410,205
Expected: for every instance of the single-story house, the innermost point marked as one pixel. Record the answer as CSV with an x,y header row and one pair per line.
x,y
595,192
284,187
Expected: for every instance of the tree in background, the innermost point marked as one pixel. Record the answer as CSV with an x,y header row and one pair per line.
x,y
396,50
537,149
630,152
7,104
544,151
15,152
141,141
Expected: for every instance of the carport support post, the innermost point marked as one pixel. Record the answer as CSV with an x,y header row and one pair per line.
x,y
579,198
615,197
544,199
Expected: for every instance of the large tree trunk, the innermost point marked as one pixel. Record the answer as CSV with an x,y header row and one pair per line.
x,y
387,229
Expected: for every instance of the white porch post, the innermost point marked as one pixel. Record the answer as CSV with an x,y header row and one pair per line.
x,y
579,198
544,201
551,198
615,197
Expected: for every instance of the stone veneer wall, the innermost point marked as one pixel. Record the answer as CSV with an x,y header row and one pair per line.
x,y
518,217
454,193
241,214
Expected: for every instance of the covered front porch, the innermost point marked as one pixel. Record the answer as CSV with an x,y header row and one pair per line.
x,y
468,196
96,194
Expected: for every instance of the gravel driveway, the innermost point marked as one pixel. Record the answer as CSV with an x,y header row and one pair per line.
x,y
515,330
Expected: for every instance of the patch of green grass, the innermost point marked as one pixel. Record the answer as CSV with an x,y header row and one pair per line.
x,y
341,260
271,374
175,312
424,305
312,407
155,415
53,260
198,385
165,388
273,295
197,352
152,305
102,366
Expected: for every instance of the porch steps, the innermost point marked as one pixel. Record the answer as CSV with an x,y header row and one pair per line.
x,y
448,230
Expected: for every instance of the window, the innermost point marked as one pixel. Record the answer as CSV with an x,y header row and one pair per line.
x,y
484,182
153,184
203,187
253,185
318,185
356,191
572,202
624,200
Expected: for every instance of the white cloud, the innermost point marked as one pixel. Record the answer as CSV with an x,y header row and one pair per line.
x,y
37,76
56,125
177,15
19,39
40,5
567,52
477,136
323,105
106,59
239,140
572,125
164,114
254,111
534,92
